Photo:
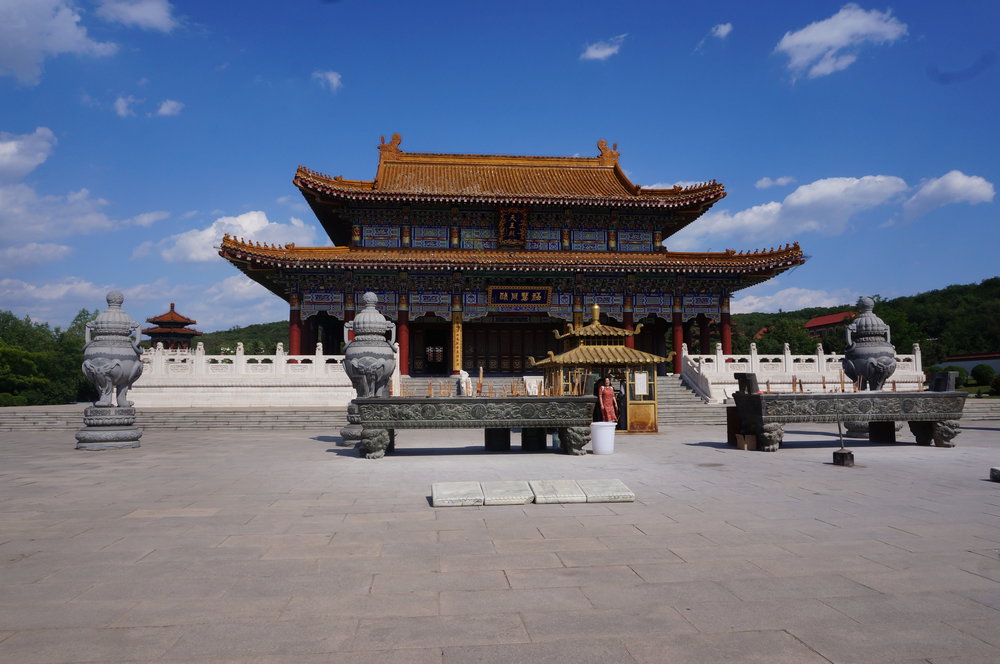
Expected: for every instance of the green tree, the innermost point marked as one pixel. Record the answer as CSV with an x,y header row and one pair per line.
x,y
983,374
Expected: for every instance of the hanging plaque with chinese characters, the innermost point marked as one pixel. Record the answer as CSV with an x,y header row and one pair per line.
x,y
518,298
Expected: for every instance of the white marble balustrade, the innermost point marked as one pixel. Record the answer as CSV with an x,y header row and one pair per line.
x,y
191,378
713,376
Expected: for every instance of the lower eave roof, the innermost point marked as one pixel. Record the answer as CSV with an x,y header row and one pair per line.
x,y
291,257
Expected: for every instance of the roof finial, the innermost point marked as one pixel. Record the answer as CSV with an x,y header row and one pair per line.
x,y
391,148
608,156
596,309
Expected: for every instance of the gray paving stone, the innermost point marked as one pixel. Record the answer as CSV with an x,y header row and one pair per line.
x,y
606,491
746,647
204,533
456,494
578,651
557,491
507,492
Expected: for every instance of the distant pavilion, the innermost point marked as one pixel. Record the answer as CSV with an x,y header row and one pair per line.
x,y
171,330
478,259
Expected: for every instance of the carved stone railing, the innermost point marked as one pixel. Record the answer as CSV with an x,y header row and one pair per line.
x,y
713,376
190,378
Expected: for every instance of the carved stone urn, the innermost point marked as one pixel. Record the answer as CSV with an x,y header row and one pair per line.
x,y
112,362
369,361
869,356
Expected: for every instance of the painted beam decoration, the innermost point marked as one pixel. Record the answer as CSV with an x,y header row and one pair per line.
x,y
518,298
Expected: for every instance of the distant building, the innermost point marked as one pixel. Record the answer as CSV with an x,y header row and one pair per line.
x,y
969,361
817,326
171,330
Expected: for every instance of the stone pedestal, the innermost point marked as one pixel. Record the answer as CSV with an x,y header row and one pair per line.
x,y
995,474
843,458
497,440
351,434
108,428
533,439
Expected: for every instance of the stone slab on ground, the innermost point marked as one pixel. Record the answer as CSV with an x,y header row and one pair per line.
x,y
507,492
456,494
606,491
557,491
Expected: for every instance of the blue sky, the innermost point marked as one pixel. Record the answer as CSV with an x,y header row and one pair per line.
x,y
133,133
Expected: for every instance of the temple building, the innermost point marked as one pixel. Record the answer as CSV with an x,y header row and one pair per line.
x,y
171,329
478,259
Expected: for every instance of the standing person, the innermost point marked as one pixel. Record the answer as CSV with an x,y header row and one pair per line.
x,y
608,402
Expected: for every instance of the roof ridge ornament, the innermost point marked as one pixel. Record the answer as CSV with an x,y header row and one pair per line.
x,y
608,156
390,149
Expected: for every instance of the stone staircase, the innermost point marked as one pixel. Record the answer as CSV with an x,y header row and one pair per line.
x,y
70,418
677,404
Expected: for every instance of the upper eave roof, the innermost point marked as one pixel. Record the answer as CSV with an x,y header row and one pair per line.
x,y
172,317
290,256
406,176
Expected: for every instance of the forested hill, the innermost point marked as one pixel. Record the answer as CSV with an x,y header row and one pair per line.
x,y
957,320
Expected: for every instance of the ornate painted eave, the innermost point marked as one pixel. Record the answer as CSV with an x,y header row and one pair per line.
x,y
505,179
290,256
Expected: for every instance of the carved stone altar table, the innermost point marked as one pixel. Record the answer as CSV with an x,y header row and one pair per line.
x,y
381,416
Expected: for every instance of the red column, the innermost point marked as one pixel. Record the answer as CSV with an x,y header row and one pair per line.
x,y
294,326
403,335
627,321
727,328
678,326
349,313
704,347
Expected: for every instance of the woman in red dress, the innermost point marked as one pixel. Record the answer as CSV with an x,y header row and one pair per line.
x,y
607,401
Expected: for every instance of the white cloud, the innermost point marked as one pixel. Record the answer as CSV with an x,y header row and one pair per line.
x,y
22,153
31,254
603,50
831,45
32,31
670,185
767,183
237,300
329,79
789,299
169,107
824,206
199,244
722,30
146,14
147,219
25,215
952,187
123,105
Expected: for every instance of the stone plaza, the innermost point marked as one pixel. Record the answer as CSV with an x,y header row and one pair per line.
x,y
281,546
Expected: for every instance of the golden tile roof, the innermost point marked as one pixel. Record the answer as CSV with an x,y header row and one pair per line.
x,y
506,179
290,256
597,355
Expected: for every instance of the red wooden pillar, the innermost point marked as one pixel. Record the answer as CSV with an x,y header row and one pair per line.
x,y
294,325
627,321
403,334
727,328
704,345
349,313
678,326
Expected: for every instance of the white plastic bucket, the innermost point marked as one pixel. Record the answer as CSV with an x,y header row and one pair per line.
x,y
602,437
